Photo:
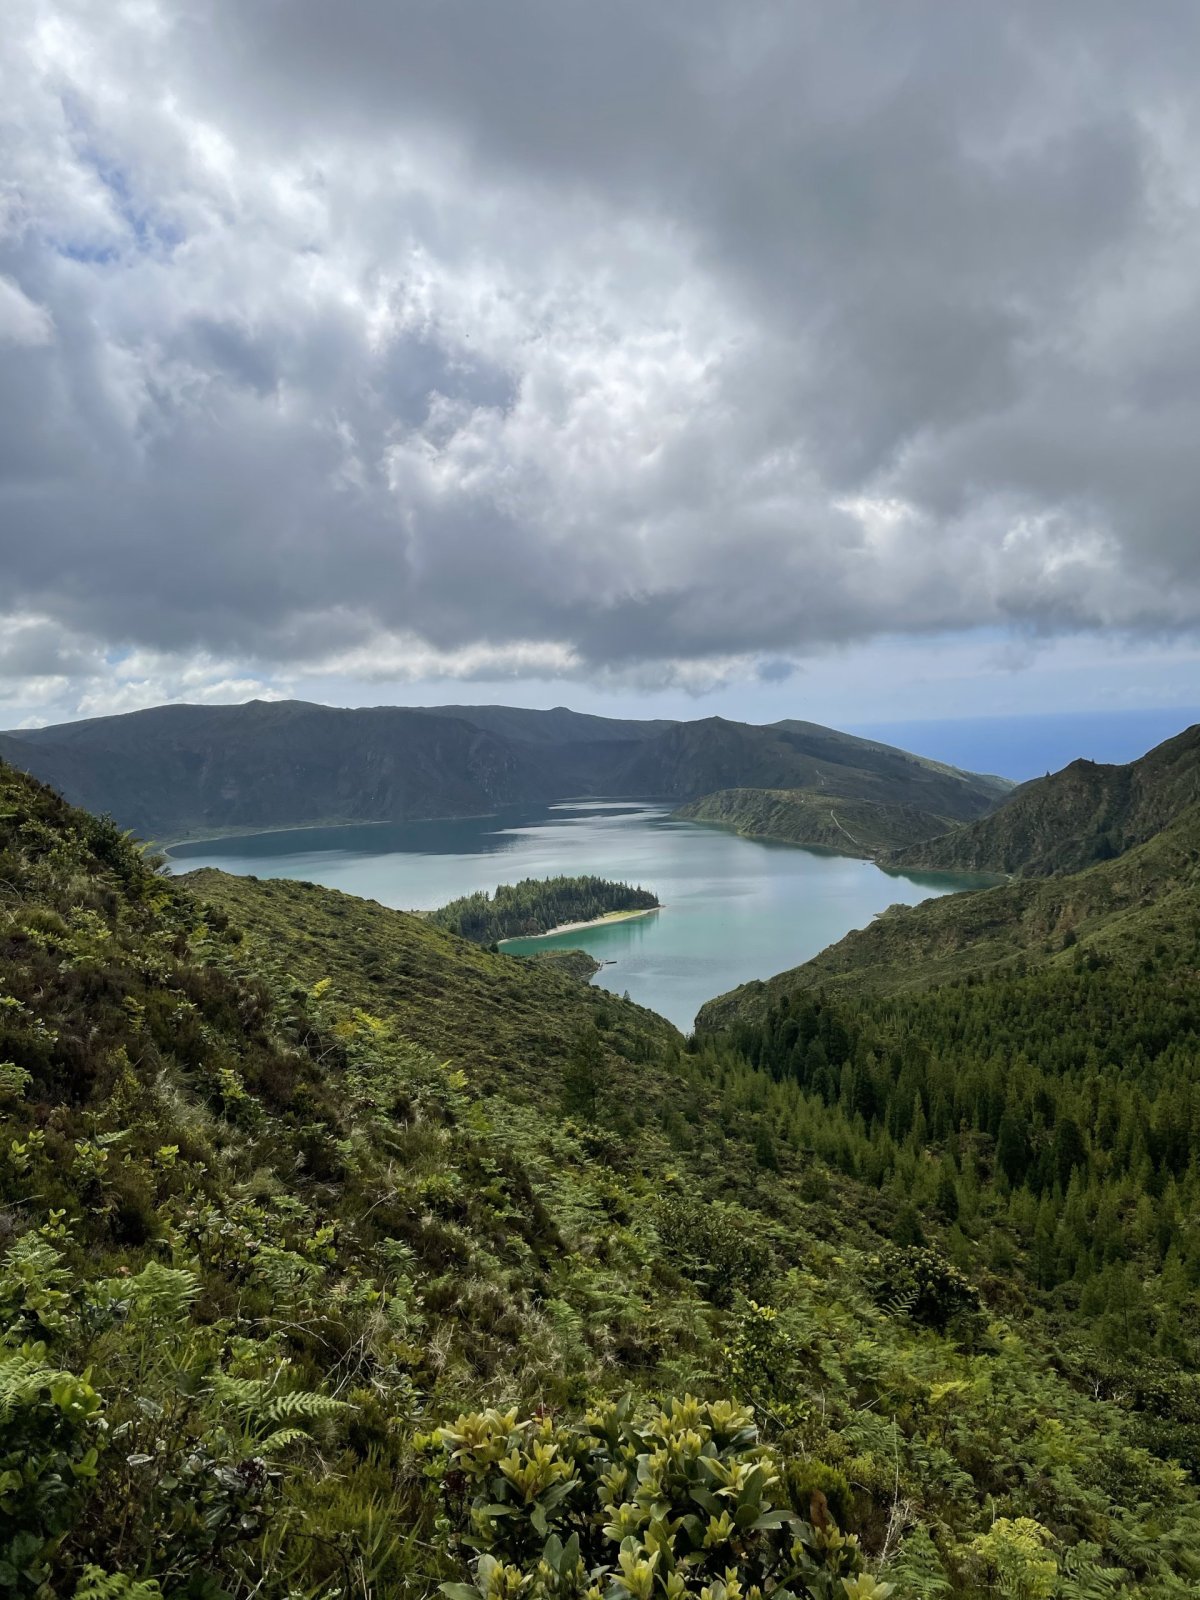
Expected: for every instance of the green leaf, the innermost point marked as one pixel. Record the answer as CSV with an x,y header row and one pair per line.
x,y
774,1519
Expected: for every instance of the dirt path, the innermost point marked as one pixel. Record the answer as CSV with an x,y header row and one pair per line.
x,y
846,831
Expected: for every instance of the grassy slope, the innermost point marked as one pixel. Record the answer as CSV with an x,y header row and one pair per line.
x,y
798,816
357,1220
506,1021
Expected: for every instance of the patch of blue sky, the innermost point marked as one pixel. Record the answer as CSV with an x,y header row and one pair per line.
x,y
145,229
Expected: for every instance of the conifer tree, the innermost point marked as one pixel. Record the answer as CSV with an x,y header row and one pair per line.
x,y
583,1075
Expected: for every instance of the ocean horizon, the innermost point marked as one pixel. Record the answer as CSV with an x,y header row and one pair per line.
x,y
1022,747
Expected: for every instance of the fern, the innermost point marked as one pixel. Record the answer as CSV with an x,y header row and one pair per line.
x,y
159,1295
247,1395
24,1375
34,1298
918,1568
1083,1578
96,1584
304,1406
282,1439
287,1414
901,1303
287,1275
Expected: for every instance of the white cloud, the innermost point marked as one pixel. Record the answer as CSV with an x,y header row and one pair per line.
x,y
367,349
21,320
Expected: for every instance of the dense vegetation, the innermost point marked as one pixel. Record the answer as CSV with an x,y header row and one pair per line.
x,y
806,817
1051,1114
536,905
172,772
343,1257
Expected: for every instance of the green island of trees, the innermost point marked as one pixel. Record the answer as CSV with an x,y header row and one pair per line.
x,y
538,905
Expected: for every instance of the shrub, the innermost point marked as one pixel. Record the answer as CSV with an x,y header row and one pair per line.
x,y
633,1504
814,1484
709,1244
48,1453
922,1284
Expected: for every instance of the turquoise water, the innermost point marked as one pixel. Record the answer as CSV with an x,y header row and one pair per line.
x,y
733,909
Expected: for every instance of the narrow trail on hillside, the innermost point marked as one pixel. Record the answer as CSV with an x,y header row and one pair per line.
x,y
846,831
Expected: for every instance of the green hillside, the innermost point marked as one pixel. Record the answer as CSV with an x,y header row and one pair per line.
x,y
172,772
1122,908
511,1021
798,816
1073,818
344,1257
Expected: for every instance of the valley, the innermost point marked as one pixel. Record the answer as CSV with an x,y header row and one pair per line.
x,y
734,908
360,1204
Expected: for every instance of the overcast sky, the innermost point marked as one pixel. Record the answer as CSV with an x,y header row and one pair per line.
x,y
837,360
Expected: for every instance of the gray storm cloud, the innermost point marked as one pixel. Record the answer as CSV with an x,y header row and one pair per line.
x,y
593,338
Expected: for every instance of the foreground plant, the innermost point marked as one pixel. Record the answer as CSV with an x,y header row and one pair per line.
x,y
634,1503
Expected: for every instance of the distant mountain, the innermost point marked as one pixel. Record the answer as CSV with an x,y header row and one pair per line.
x,y
1071,819
177,771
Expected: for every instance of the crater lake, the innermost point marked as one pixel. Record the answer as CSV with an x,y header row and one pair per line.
x,y
732,908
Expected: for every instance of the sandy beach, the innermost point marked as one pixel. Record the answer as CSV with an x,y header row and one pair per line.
x,y
595,922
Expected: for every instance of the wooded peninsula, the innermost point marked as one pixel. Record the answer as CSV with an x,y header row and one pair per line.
x,y
539,905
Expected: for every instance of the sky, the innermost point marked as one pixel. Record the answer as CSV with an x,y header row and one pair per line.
x,y
774,359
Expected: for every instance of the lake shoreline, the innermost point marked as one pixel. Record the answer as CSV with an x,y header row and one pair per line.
x,y
742,909
238,831
605,921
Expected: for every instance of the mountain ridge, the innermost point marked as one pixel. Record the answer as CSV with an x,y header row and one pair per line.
x,y
861,828
1066,821
173,772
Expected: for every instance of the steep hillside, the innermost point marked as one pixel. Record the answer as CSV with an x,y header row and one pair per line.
x,y
1120,908
178,771
798,816
1070,819
340,1256
512,1022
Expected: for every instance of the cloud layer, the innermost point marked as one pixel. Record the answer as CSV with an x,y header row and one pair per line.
x,y
554,339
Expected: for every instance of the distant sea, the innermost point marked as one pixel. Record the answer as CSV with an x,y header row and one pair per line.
x,y
1029,747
